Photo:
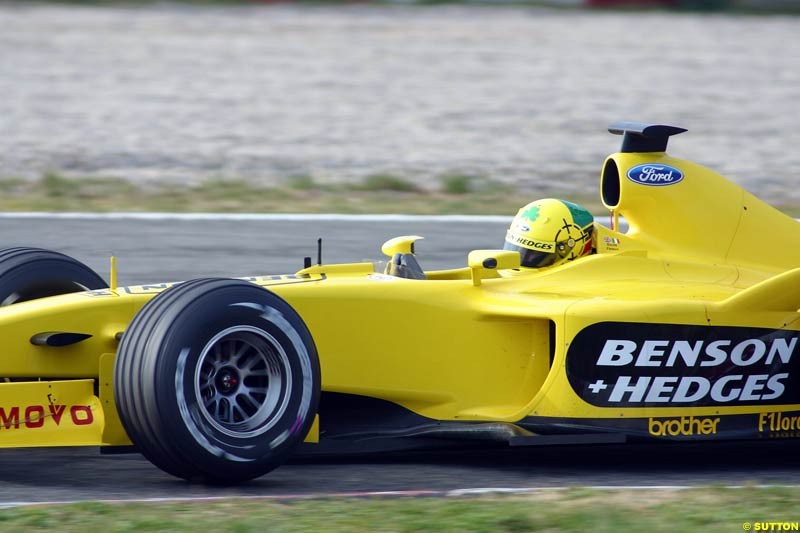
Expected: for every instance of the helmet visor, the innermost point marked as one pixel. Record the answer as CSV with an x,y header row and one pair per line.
x,y
532,258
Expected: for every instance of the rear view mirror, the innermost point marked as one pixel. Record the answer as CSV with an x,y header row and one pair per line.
x,y
480,261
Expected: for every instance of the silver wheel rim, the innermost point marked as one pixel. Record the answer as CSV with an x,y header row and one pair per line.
x,y
243,381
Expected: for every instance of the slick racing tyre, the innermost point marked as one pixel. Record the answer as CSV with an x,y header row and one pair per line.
x,y
32,273
217,380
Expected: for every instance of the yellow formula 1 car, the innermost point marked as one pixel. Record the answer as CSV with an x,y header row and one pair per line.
x,y
683,327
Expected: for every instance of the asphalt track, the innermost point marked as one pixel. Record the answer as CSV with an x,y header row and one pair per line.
x,y
158,250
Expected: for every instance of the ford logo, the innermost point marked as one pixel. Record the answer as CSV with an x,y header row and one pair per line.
x,y
652,174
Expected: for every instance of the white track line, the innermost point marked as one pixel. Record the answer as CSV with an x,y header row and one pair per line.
x,y
456,493
271,217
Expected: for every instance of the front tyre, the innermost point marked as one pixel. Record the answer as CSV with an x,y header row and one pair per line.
x,y
217,380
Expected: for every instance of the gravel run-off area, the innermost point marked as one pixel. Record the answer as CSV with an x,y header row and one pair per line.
x,y
522,96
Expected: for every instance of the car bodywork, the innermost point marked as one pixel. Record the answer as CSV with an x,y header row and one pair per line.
x,y
684,326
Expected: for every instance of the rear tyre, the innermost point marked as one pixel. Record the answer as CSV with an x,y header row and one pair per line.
x,y
33,273
217,380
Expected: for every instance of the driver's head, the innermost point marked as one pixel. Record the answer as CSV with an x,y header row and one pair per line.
x,y
550,232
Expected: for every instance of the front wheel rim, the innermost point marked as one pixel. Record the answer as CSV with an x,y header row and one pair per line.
x,y
242,381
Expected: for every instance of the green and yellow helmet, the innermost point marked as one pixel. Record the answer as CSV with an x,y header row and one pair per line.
x,y
550,232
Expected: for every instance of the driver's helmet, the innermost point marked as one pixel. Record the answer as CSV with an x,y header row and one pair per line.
x,y
550,232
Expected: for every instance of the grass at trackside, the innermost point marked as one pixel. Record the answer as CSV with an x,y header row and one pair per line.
x,y
707,509
382,193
